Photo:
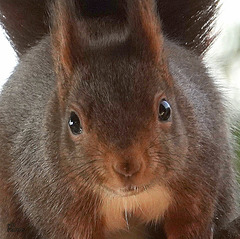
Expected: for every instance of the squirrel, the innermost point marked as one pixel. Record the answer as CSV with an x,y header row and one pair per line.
x,y
110,125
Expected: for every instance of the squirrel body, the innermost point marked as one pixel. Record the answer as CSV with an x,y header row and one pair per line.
x,y
87,154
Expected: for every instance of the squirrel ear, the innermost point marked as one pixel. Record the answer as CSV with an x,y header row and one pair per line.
x,y
145,27
63,36
66,42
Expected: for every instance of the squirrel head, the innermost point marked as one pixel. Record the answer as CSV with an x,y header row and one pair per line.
x,y
115,93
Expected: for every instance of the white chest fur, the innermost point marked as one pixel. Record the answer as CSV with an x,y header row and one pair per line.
x,y
127,213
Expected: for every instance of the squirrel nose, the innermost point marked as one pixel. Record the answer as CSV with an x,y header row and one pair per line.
x,y
127,169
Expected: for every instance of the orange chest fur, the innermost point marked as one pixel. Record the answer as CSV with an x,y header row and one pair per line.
x,y
125,213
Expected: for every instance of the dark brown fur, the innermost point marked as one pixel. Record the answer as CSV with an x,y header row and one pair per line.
x,y
171,180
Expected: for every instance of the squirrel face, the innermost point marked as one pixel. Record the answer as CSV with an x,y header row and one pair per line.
x,y
119,121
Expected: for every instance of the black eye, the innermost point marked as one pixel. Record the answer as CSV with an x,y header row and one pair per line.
x,y
164,111
75,124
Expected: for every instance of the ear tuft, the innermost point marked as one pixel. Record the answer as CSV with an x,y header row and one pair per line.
x,y
62,36
145,27
65,42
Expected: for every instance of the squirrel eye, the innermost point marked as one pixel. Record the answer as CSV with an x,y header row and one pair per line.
x,y
164,111
75,124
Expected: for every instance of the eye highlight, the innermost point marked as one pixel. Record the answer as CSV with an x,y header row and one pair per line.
x,y
165,111
75,124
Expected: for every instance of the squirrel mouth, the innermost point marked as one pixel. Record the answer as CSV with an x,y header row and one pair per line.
x,y
127,191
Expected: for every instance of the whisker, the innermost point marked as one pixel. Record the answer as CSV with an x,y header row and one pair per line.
x,y
66,174
152,143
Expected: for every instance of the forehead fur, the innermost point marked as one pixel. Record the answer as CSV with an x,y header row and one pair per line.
x,y
117,91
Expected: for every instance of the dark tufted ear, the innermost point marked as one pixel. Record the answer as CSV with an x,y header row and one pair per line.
x,y
145,30
67,42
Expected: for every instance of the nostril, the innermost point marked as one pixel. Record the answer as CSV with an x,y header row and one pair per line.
x,y
127,169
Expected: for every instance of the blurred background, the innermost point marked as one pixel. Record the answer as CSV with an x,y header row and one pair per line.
x,y
223,58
